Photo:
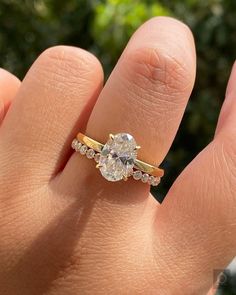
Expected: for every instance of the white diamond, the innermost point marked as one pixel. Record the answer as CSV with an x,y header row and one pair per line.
x,y
151,180
78,146
156,181
137,175
97,158
74,143
145,178
117,157
90,153
83,149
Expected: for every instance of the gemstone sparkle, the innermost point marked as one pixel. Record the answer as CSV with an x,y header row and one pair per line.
x,y
117,157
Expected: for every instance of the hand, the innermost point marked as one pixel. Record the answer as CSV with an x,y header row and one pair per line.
x,y
66,230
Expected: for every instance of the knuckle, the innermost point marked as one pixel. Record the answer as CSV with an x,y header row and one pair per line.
x,y
158,73
67,65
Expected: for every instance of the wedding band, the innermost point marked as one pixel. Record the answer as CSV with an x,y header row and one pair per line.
x,y
117,158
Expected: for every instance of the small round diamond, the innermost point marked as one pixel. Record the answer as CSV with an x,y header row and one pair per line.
x,y
151,180
156,181
97,158
145,178
78,146
74,143
137,175
90,153
83,149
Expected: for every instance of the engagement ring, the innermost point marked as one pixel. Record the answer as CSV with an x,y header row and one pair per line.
x,y
117,158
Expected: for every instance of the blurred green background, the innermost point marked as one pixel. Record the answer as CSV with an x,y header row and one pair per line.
x,y
104,27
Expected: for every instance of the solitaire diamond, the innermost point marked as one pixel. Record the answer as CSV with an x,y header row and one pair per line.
x,y
117,157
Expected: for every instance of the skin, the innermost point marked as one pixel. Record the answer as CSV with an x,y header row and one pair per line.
x,y
66,230
9,85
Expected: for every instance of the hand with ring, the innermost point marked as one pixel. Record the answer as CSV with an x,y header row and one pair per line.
x,y
77,160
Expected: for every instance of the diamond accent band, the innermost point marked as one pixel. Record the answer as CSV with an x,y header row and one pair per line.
x,y
117,158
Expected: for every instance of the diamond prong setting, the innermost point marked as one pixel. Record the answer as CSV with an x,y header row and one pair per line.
x,y
111,136
116,158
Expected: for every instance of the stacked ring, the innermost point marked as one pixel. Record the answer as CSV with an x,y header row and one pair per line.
x,y
117,159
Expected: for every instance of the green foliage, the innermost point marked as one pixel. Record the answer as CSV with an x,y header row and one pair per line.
x,y
213,25
29,27
115,21
104,27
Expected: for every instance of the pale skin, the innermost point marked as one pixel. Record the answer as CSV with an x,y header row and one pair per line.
x,y
63,228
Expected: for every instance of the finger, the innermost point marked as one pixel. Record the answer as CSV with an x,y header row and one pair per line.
x,y
147,91
9,85
229,102
55,98
212,291
196,224
145,96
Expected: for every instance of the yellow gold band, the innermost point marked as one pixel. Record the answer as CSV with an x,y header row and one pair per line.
x,y
97,146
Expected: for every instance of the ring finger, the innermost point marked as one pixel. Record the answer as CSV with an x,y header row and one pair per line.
x,y
145,96
147,91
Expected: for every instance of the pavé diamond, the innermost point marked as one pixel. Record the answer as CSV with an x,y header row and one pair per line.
x,y
151,180
74,143
137,175
145,178
78,146
156,181
117,157
83,149
90,153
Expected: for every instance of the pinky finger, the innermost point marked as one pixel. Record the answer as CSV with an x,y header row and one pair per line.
x,y
9,84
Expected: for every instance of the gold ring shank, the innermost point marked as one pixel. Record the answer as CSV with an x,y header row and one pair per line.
x,y
97,146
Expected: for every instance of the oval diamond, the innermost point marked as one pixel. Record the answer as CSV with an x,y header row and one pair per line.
x,y
117,157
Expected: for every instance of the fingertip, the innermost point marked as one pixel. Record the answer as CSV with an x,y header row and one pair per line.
x,y
231,87
77,58
227,114
6,76
9,85
172,39
169,34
